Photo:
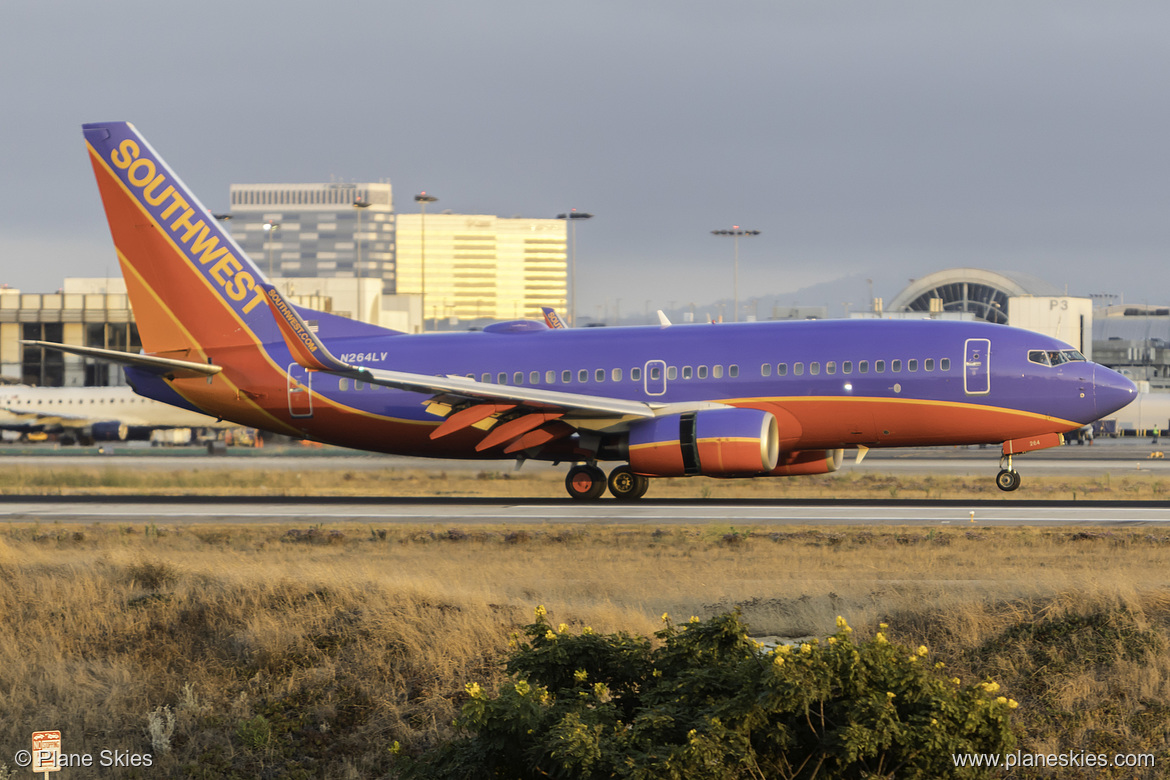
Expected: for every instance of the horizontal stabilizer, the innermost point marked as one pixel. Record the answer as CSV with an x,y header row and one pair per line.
x,y
181,369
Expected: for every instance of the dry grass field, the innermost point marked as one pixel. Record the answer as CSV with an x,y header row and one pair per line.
x,y
308,651
185,477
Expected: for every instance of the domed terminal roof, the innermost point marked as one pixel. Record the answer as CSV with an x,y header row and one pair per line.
x,y
983,293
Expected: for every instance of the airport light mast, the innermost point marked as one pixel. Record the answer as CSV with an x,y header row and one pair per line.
x,y
423,199
735,233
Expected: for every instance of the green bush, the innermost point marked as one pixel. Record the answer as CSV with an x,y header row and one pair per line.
x,y
709,702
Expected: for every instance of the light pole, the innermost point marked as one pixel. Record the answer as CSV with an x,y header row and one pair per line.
x,y
359,205
423,199
571,217
269,228
735,233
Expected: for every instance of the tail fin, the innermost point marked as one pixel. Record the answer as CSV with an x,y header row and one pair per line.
x,y
191,287
551,318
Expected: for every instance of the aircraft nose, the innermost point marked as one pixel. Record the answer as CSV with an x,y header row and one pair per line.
x,y
1111,391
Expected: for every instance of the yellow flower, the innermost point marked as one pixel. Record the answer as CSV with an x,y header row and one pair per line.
x,y
883,626
1012,704
934,721
956,681
665,616
890,694
523,688
806,649
550,634
778,660
694,619
832,640
580,675
939,665
841,622
541,611
587,631
912,658
473,689
692,734
784,649
990,687
562,628
880,638
1001,700
922,650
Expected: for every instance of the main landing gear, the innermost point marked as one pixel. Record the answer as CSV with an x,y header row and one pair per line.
x,y
1008,479
587,482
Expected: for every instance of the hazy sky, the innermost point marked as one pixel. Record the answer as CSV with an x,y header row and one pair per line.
x,y
888,139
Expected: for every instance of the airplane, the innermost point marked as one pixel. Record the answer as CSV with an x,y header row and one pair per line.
x,y
730,400
92,414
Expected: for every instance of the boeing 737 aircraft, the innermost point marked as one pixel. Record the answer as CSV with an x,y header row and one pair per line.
x,y
742,400
89,414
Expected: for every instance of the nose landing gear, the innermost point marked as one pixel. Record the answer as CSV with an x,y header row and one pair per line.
x,y
1007,479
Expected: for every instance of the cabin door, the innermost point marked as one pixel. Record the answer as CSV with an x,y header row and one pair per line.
x,y
977,367
300,391
655,377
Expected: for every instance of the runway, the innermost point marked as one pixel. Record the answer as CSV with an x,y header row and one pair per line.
x,y
455,512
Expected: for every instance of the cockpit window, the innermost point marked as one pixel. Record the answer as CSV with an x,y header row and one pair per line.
x,y
1054,357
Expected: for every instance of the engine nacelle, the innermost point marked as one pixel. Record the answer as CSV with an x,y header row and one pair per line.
x,y
803,463
712,442
110,430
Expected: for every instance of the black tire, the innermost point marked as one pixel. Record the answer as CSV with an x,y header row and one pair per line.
x,y
625,485
1007,481
585,483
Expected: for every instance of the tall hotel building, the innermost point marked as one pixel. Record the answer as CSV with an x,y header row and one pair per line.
x,y
462,266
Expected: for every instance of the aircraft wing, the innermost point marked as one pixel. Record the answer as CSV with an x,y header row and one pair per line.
x,y
536,406
15,418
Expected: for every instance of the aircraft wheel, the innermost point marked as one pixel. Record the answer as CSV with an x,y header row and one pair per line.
x,y
1007,480
585,483
625,485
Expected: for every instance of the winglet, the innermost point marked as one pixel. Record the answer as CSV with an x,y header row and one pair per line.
x,y
551,318
305,347
663,320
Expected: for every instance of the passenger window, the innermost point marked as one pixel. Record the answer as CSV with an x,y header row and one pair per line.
x,y
766,369
636,374
616,374
716,372
672,372
798,369
879,367
686,372
781,369
359,384
534,378
847,367
863,367
656,373
550,377
518,378
583,375
702,372
566,376
912,365
342,384
896,366
831,367
929,364
814,368
501,378
599,375
945,364
485,378
733,371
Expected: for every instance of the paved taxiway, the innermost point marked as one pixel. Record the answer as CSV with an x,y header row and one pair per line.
x,y
197,510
